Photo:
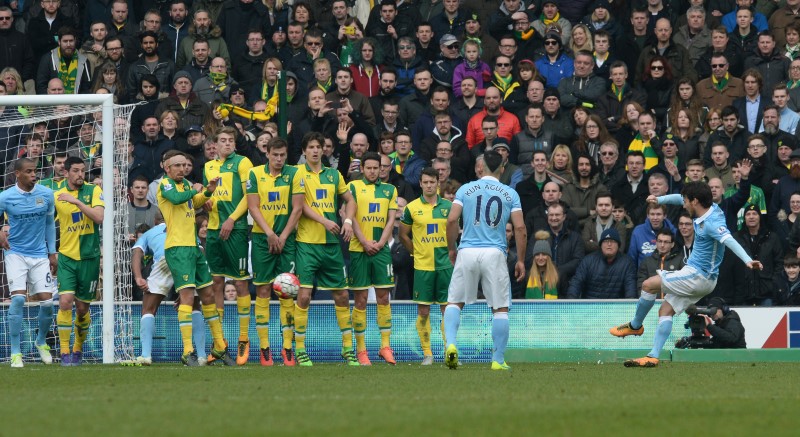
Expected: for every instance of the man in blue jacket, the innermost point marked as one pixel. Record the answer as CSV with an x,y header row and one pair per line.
x,y
606,273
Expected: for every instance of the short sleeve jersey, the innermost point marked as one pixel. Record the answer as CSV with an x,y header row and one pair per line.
x,y
487,206
322,190
28,213
275,196
80,236
374,203
176,202
152,241
233,172
429,232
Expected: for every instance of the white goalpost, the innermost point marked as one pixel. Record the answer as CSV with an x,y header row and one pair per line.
x,y
61,120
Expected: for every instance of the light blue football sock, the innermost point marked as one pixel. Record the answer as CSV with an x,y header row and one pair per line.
x,y
643,307
15,322
452,319
146,329
662,333
499,336
199,333
45,321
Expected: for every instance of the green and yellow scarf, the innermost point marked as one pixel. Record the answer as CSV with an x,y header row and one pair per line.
x,y
68,73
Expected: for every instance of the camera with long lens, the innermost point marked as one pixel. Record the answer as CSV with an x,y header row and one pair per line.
x,y
697,324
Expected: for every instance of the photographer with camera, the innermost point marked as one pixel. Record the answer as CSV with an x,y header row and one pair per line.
x,y
725,326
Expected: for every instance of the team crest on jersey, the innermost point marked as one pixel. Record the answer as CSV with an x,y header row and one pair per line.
x,y
230,166
386,193
286,178
185,277
85,199
39,201
330,178
444,211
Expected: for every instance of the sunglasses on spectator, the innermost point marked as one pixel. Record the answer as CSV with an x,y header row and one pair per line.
x,y
606,153
405,47
314,43
5,18
502,64
551,43
657,67
718,65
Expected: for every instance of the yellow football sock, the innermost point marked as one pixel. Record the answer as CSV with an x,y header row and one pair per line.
x,y
262,321
385,324
345,326
185,323
243,305
300,322
64,323
424,331
221,312
360,328
211,314
81,331
287,322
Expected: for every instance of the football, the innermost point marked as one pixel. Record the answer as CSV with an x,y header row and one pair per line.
x,y
286,285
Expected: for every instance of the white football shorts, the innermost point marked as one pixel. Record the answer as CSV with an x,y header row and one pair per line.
x,y
31,274
487,265
685,287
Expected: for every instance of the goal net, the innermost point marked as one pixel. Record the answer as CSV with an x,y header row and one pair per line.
x,y
45,128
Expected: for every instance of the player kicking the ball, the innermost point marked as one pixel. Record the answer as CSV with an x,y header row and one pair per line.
x,y
275,211
486,206
177,201
30,255
698,278
80,208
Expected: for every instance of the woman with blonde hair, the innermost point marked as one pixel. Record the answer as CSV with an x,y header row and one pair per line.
x,y
581,39
278,13
13,81
543,281
560,166
269,81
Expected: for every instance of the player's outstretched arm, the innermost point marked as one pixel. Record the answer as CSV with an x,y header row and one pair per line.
x,y
669,199
739,251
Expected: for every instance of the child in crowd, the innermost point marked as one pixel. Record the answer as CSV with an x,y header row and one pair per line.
x,y
472,67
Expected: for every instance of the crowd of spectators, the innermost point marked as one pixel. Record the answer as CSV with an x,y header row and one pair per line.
x,y
594,104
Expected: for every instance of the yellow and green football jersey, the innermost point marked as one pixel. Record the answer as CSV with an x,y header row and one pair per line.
x,y
322,191
429,232
374,203
80,238
176,202
233,173
275,196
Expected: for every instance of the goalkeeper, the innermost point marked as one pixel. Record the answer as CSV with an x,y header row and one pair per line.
x,y
188,266
80,209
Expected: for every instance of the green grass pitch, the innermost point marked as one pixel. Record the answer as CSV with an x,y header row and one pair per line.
x,y
409,400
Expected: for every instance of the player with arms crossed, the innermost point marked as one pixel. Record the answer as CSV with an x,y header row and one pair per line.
x,y
698,278
226,244
426,220
30,254
370,256
80,209
318,250
275,213
176,200
485,205
156,287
